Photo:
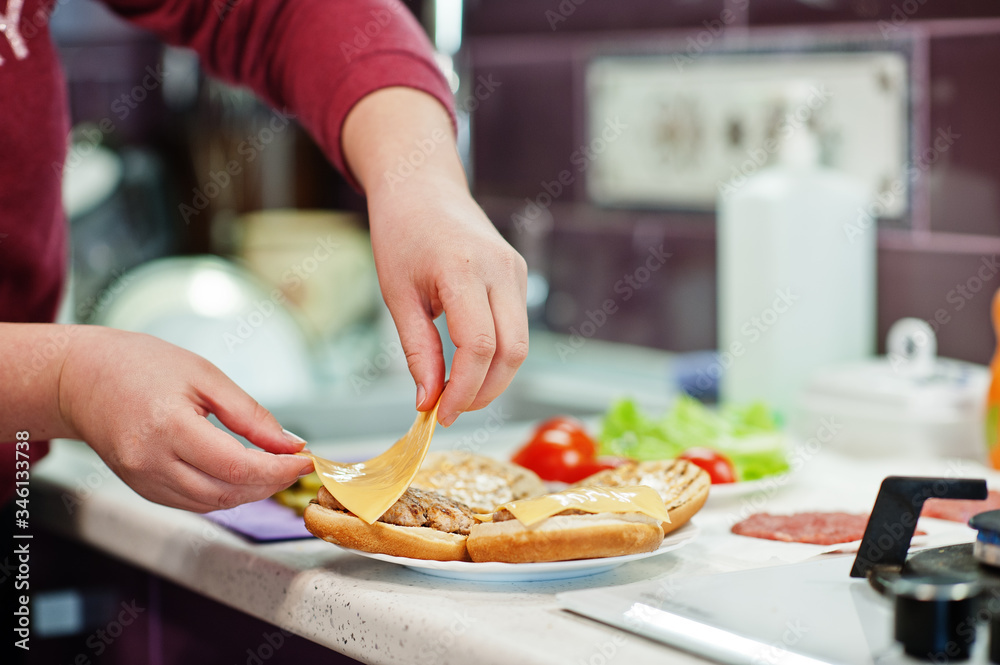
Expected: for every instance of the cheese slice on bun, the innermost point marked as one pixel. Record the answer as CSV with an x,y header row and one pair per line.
x,y
577,523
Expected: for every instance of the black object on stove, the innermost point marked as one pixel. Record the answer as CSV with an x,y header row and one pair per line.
x,y
936,591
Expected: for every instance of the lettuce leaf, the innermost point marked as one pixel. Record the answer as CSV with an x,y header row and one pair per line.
x,y
749,434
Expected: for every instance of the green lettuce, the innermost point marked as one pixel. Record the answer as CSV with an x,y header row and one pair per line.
x,y
748,435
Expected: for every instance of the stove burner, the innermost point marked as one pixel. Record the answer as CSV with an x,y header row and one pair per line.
x,y
935,616
987,545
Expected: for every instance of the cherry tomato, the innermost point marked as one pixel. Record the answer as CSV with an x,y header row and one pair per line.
x,y
560,449
718,466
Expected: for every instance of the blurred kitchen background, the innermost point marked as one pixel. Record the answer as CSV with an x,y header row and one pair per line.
x,y
697,87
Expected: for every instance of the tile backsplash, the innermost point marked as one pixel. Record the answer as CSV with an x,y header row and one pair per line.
x,y
938,262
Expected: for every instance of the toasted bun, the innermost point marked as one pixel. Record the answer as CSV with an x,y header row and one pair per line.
x,y
683,486
565,537
414,542
480,482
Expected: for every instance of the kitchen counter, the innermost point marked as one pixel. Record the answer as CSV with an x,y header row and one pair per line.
x,y
377,612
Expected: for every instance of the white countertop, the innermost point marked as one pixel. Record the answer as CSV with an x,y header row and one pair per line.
x,y
377,612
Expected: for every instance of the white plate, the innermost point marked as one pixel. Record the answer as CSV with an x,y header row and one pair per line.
x,y
728,491
532,572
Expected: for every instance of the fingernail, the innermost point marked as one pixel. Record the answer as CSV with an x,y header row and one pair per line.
x,y
294,438
305,472
421,395
450,418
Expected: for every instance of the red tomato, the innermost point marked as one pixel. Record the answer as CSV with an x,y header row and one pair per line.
x,y
718,466
561,449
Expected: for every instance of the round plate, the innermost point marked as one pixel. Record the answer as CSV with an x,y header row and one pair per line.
x,y
727,491
532,572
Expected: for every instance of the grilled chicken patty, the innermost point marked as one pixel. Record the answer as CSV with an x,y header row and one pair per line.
x,y
417,508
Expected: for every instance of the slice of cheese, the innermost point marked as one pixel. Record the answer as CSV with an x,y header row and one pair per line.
x,y
636,499
368,489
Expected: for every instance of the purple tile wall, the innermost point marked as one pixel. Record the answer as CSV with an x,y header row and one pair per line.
x,y
790,12
524,135
950,287
531,16
965,96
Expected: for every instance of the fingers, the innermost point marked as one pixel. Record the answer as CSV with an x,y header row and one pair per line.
x,y
244,415
470,324
188,488
511,323
220,456
422,345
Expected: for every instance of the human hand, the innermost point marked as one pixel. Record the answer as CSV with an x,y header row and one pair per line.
x,y
436,251
142,403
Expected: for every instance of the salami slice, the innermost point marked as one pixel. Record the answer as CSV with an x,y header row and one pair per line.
x,y
960,510
816,527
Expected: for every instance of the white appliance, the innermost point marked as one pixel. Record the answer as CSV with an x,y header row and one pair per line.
x,y
801,614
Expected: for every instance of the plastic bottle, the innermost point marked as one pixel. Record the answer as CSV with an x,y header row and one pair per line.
x,y
993,396
796,264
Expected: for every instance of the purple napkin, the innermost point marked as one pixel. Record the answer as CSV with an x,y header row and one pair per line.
x,y
262,521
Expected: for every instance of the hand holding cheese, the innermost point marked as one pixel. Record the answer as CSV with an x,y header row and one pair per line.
x,y
151,426
368,489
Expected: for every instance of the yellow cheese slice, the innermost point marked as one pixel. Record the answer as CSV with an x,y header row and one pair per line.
x,y
635,499
368,489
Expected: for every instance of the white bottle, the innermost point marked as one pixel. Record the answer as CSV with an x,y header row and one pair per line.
x,y
796,275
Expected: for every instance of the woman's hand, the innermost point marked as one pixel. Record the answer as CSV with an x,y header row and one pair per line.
x,y
436,251
142,404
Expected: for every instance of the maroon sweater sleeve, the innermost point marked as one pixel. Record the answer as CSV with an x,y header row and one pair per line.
x,y
315,58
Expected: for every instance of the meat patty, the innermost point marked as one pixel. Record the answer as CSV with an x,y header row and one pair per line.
x,y
960,510
417,508
816,528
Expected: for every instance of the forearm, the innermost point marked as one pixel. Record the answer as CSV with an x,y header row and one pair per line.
x,y
400,141
316,58
33,357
